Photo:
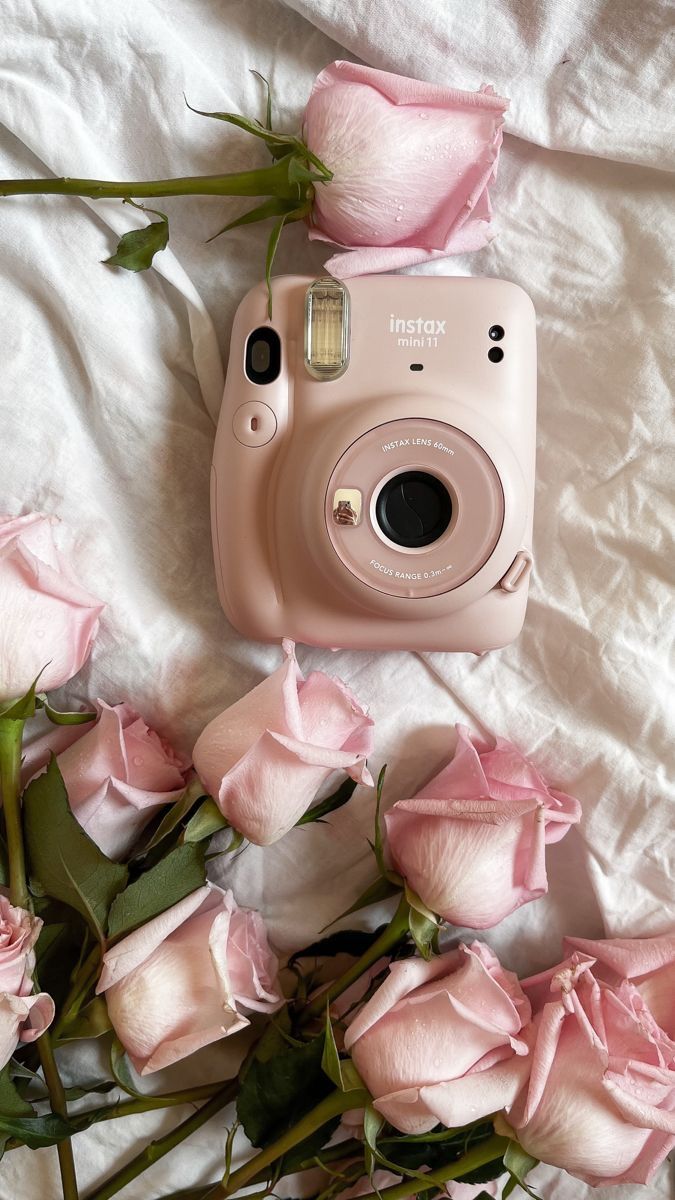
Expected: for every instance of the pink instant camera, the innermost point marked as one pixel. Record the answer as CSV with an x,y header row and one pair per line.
x,y
373,474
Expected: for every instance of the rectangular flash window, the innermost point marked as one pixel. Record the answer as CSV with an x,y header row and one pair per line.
x,y
327,328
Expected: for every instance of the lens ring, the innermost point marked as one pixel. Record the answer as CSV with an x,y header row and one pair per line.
x,y
413,509
495,333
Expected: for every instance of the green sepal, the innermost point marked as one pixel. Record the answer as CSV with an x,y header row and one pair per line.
x,y
64,862
23,708
171,880
63,718
518,1163
375,893
269,259
276,206
173,816
424,925
372,1127
137,248
207,820
91,1022
378,844
331,804
341,1071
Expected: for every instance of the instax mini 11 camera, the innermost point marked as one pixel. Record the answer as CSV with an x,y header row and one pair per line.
x,y
373,475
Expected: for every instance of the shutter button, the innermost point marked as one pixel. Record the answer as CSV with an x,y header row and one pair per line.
x,y
518,572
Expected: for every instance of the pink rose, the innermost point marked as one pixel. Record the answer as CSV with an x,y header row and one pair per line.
x,y
186,978
649,963
117,774
48,620
23,1017
264,758
601,1097
412,163
439,1040
472,842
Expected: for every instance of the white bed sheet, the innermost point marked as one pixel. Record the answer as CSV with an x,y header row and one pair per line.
x,y
111,384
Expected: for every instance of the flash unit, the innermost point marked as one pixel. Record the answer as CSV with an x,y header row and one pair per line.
x,y
327,328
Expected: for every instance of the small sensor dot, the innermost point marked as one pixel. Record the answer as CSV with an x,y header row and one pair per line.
x,y
495,333
417,366
496,354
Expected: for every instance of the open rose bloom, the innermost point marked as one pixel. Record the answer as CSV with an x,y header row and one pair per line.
x,y
48,620
412,163
472,842
264,758
440,1040
188,978
600,1101
649,963
23,1015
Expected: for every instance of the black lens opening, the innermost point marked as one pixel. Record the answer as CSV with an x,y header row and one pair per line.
x,y
413,509
495,333
263,355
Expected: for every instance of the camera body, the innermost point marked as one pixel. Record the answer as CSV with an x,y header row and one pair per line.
x,y
373,475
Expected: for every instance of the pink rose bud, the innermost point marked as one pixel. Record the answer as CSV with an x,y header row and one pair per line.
x,y
439,1040
412,163
48,620
649,963
472,842
601,1097
117,774
23,1016
264,758
187,978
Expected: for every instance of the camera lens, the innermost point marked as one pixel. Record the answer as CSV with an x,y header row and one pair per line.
x,y
263,355
413,509
495,333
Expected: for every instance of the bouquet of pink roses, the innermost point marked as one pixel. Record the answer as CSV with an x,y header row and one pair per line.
x,y
425,1067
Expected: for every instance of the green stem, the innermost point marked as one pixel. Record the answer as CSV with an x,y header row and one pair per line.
x,y
477,1156
157,1149
396,930
127,1108
57,1100
265,181
333,1105
11,734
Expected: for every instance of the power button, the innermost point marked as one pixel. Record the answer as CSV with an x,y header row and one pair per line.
x,y
254,424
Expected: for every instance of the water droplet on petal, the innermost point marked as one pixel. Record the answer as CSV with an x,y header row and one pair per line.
x,y
401,206
138,761
398,218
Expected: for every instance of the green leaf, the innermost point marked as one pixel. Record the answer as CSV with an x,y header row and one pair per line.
x,y
136,249
174,877
63,718
519,1164
276,206
331,804
345,941
11,1103
269,259
280,141
207,820
36,1132
64,862
277,1092
91,1022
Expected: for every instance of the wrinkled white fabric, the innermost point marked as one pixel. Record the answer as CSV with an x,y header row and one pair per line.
x,y
111,383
